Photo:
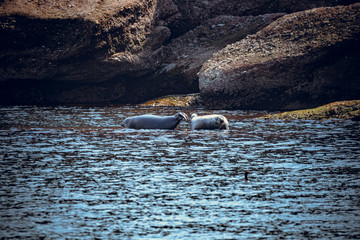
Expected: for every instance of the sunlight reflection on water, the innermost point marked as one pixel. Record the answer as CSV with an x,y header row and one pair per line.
x,y
74,172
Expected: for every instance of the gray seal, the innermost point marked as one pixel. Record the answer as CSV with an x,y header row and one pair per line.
x,y
213,121
155,122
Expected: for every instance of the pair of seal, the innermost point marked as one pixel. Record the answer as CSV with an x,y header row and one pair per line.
x,y
155,122
213,121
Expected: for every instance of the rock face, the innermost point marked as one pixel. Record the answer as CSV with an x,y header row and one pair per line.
x,y
301,60
194,12
189,51
63,51
100,51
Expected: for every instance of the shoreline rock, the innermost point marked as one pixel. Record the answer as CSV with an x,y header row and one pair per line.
x,y
103,51
337,110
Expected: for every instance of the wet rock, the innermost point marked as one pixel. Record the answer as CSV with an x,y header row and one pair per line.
x,y
337,110
301,60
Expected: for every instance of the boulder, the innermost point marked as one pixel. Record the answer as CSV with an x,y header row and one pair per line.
x,y
188,52
301,60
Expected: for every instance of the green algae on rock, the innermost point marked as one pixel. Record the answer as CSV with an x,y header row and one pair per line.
x,y
175,101
336,110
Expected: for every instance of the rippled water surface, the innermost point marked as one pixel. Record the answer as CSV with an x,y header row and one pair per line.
x,y
74,172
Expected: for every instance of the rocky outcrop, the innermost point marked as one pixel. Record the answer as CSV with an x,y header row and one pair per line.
x,y
301,60
349,110
98,51
59,51
188,52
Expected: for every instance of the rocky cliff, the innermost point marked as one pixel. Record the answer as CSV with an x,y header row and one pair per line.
x,y
102,51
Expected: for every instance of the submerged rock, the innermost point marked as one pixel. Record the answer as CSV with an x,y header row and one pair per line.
x,y
301,60
337,110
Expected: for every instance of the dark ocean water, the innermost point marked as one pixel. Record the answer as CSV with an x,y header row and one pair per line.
x,y
74,172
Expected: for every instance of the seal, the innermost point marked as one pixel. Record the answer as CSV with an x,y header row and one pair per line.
x,y
213,121
155,122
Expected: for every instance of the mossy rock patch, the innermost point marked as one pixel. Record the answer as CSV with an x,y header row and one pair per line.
x,y
175,100
335,110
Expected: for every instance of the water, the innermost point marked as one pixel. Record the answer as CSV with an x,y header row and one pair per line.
x,y
74,172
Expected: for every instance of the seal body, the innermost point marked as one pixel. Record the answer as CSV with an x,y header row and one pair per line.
x,y
213,121
154,122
